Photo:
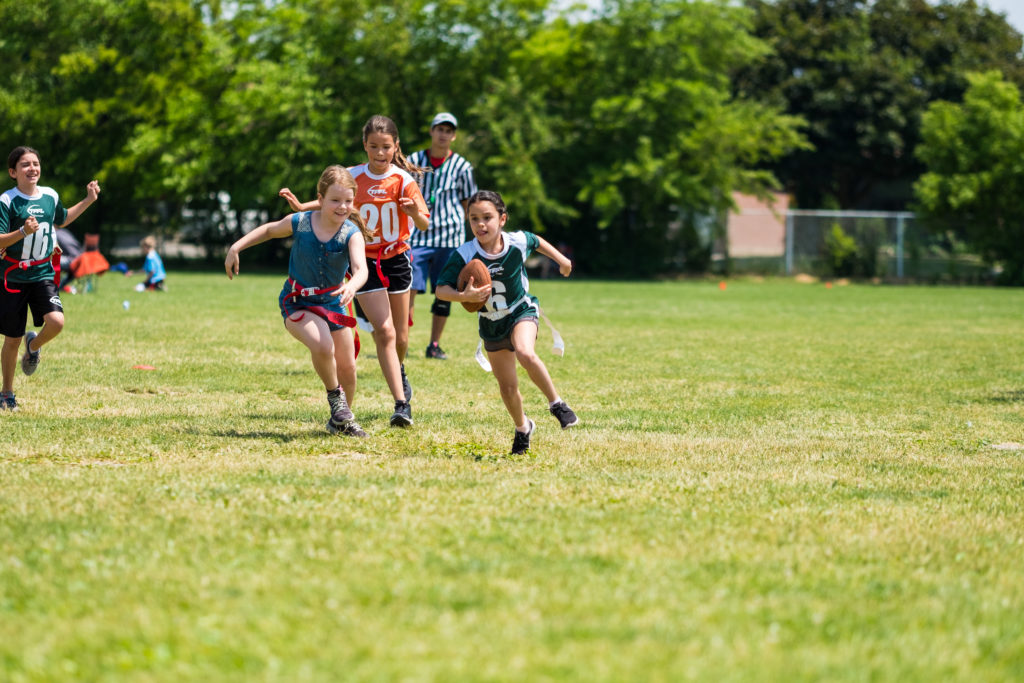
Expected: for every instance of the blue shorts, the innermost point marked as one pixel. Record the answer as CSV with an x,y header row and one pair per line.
x,y
428,262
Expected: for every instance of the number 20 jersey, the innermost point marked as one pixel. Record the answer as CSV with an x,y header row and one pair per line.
x,y
377,198
510,296
45,206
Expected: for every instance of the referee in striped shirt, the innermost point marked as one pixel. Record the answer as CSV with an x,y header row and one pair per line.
x,y
447,188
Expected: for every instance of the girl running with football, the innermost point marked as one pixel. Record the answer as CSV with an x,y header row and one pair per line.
x,y
389,201
328,244
29,217
508,320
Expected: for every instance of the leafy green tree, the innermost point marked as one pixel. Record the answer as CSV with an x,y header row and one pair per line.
x,y
626,121
861,73
95,83
974,156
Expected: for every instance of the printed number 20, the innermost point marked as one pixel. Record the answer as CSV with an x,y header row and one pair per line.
x,y
385,217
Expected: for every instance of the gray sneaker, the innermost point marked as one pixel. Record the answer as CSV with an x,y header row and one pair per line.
x,y
349,428
30,361
8,402
340,412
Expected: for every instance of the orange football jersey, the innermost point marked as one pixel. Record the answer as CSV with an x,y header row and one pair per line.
x,y
377,199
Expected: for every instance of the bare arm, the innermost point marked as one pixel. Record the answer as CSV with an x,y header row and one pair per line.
x,y
92,192
8,238
410,207
281,228
294,202
564,264
356,264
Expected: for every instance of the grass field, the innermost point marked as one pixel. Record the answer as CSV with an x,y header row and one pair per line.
x,y
777,481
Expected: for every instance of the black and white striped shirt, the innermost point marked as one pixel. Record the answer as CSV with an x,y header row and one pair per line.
x,y
444,189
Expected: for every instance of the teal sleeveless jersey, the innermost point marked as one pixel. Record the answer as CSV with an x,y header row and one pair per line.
x,y
15,208
510,288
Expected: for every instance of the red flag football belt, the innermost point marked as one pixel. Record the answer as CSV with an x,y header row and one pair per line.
x,y
295,315
25,265
384,280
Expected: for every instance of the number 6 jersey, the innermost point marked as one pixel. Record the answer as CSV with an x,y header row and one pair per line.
x,y
510,298
45,206
377,198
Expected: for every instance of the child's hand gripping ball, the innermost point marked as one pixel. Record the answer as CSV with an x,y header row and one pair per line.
x,y
481,278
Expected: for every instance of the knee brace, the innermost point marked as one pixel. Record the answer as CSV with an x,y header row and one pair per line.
x,y
441,308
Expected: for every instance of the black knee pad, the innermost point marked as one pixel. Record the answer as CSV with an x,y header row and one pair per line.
x,y
441,308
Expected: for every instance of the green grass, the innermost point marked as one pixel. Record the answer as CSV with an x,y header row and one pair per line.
x,y
773,482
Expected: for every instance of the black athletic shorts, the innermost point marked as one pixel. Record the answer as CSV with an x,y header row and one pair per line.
x,y
41,297
398,271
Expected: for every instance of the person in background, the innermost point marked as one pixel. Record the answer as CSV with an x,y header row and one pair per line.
x,y
153,266
447,187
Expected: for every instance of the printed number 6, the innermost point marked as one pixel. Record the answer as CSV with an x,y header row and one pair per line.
x,y
497,301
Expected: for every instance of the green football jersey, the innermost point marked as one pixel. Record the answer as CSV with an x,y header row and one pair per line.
x,y
15,208
510,288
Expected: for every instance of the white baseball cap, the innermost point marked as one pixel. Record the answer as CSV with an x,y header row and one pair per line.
x,y
444,117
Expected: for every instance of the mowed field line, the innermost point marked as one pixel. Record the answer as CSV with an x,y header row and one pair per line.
x,y
775,481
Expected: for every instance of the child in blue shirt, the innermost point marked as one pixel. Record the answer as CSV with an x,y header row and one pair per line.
x,y
153,266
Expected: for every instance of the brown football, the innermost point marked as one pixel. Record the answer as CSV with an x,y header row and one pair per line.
x,y
481,276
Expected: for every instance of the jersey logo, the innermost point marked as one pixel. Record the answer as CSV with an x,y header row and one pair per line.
x,y
495,269
36,211
378,192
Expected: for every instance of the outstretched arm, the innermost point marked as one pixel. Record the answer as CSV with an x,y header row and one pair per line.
x,y
564,264
281,228
92,192
294,202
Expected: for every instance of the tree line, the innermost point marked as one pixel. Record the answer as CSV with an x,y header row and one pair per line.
x,y
614,127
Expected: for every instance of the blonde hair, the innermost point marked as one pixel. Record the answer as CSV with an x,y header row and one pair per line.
x,y
148,242
339,175
385,126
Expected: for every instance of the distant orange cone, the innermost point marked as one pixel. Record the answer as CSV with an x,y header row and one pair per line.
x,y
722,285
828,285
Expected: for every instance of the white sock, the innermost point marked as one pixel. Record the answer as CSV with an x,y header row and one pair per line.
x,y
555,402
524,428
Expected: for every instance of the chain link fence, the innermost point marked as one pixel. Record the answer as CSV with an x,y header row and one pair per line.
x,y
858,244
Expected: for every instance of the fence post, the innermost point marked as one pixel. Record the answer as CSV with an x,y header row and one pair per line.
x,y
789,243
899,247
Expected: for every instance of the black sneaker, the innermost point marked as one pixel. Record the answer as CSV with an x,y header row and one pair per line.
x,y
8,402
403,414
436,352
406,387
521,441
349,428
563,412
30,361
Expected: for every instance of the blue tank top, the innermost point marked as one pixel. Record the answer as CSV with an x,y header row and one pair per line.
x,y
313,263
